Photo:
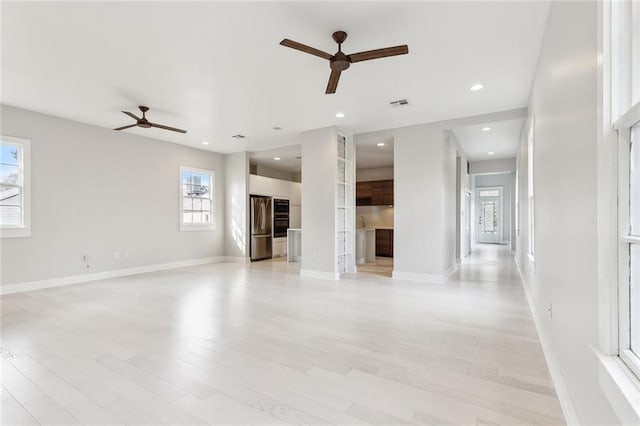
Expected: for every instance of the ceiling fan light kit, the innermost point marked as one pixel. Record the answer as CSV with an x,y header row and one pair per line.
x,y
144,123
341,61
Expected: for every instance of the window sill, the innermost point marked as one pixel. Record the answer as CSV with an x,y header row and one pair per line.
x,y
15,232
621,388
191,228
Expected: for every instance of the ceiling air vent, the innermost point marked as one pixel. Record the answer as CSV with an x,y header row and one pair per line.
x,y
400,102
239,136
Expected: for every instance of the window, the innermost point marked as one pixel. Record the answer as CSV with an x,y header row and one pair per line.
x,y
629,240
625,109
14,187
196,199
530,198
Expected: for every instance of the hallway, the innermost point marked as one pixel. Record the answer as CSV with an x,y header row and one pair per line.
x,y
249,344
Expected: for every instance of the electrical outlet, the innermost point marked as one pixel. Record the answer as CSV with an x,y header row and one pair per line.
x,y
550,310
86,261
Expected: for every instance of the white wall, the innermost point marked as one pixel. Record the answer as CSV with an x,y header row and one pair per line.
x,y
424,203
275,173
98,192
448,196
378,173
565,108
493,166
319,171
505,181
236,241
277,188
374,216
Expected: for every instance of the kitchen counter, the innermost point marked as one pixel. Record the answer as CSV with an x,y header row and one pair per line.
x,y
365,245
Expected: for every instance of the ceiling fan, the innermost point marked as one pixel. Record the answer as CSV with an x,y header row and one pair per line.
x,y
340,61
143,122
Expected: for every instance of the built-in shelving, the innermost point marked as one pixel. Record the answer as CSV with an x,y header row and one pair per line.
x,y
345,203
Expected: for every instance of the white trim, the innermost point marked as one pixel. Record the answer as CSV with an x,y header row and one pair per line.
x,y
568,409
236,259
322,275
426,278
621,388
629,119
76,279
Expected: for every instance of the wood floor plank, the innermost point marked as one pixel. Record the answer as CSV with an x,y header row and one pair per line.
x,y
257,344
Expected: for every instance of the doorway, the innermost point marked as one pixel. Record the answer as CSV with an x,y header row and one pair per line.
x,y
489,211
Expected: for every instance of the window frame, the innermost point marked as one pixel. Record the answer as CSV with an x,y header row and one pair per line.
x,y
197,226
24,230
625,239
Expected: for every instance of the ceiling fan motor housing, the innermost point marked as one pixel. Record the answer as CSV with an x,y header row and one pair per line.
x,y
339,62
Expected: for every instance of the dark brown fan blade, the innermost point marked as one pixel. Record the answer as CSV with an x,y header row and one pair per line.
x,y
333,82
173,129
304,48
132,115
126,127
379,53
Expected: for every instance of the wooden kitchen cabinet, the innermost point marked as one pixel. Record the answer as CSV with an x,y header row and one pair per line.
x,y
374,193
363,193
384,242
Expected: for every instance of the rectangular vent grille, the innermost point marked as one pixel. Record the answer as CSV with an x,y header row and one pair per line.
x,y
239,136
400,102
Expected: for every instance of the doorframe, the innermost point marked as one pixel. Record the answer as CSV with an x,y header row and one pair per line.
x,y
477,199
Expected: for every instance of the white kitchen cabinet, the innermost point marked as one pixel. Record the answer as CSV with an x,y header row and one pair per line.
x,y
279,247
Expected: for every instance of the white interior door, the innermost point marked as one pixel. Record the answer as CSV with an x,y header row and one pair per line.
x,y
489,210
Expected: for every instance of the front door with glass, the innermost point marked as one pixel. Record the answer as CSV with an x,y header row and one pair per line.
x,y
489,209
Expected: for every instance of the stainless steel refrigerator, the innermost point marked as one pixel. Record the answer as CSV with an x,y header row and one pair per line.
x,y
261,220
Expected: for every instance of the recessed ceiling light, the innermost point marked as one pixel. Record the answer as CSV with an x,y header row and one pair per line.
x,y
380,144
490,152
277,128
276,158
476,87
486,129
340,115
205,143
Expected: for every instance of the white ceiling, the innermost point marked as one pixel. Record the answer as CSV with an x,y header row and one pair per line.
x,y
368,155
216,68
287,155
502,139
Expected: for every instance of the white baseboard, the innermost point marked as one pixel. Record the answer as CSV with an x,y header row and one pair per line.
x,y
76,279
309,273
427,278
568,409
236,259
360,261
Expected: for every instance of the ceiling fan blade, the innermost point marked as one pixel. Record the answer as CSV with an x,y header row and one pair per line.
x,y
304,48
173,129
126,127
332,85
379,53
132,115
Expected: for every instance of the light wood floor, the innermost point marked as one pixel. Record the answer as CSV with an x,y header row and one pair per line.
x,y
383,266
256,344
